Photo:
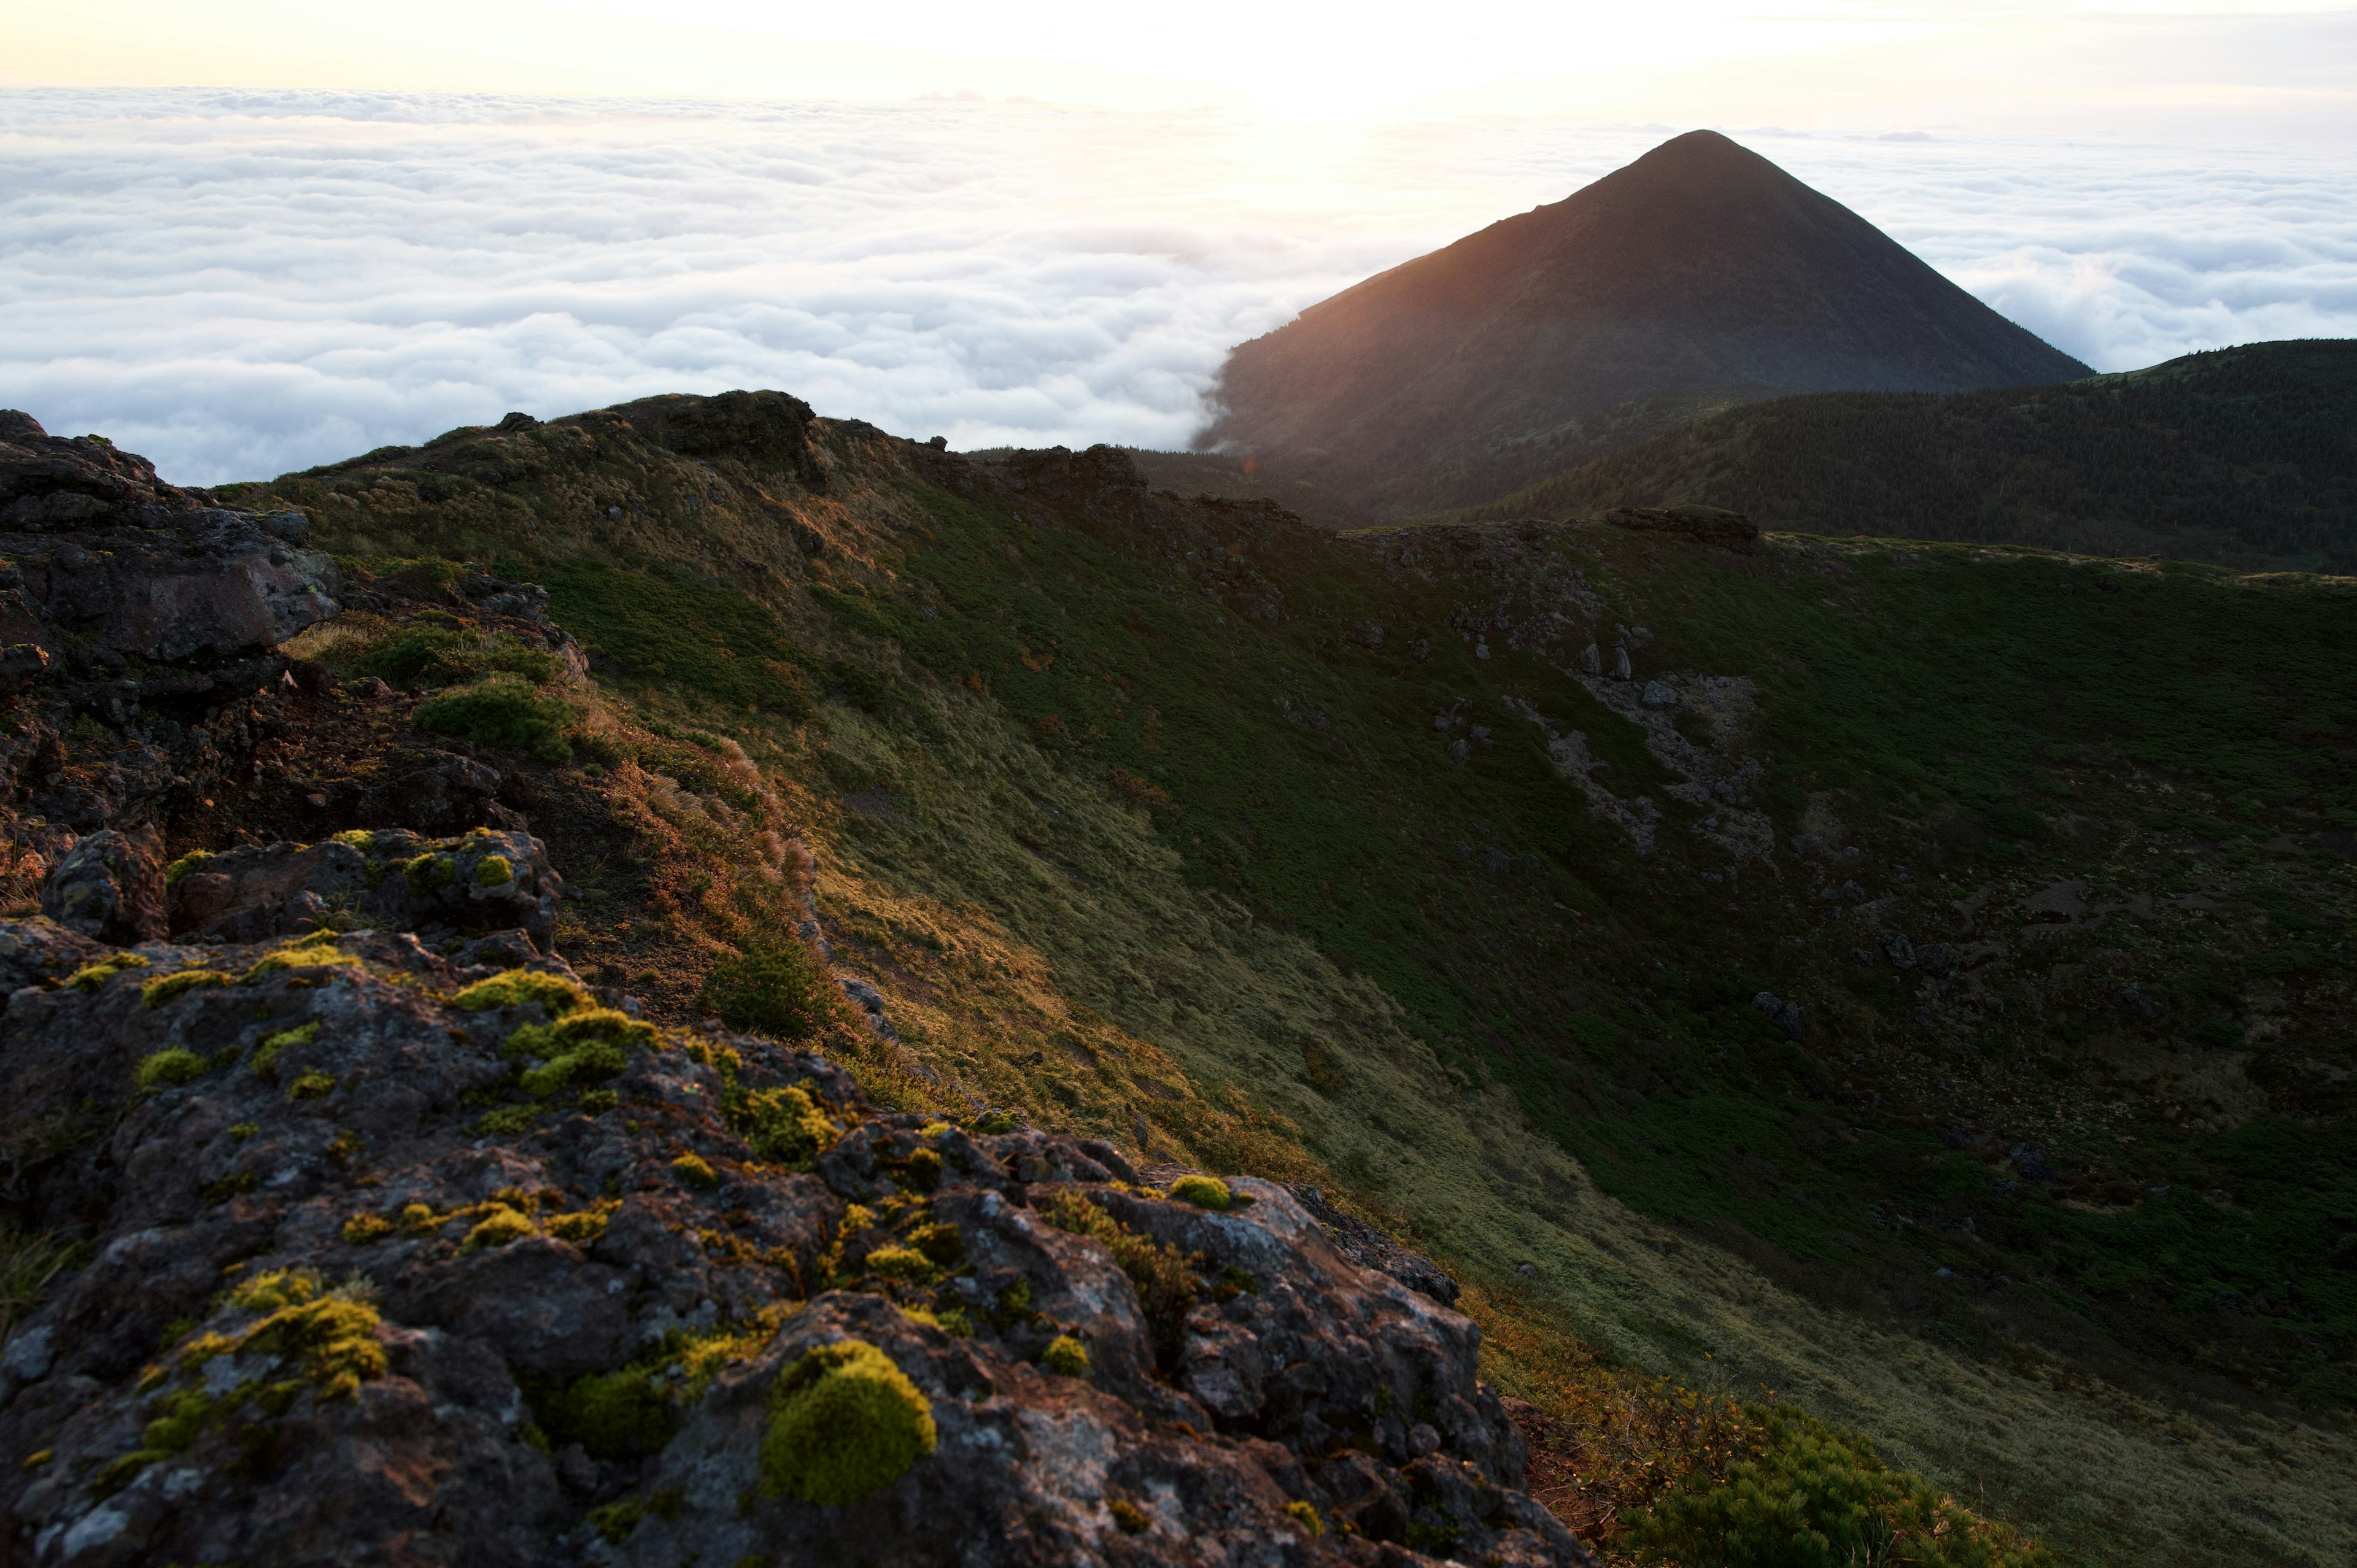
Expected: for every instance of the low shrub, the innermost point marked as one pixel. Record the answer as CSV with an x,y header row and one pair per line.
x,y
501,712
1816,1499
782,991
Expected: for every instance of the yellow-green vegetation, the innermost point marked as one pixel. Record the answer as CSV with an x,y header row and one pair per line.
x,y
311,953
313,1085
494,871
165,1069
428,874
630,1412
1167,1279
497,1229
244,1130
1815,1498
1129,1517
264,1061
193,861
362,1229
553,992
695,1171
310,1338
583,1226
585,1047
508,1121
156,992
90,977
1196,872
1066,1355
784,1126
1305,1514
843,1422
1203,1192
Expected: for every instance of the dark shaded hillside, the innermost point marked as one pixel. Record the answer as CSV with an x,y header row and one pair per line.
x,y
2244,455
1700,274
1915,981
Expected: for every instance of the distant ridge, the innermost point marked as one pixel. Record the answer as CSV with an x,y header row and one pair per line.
x,y
1701,276
2246,456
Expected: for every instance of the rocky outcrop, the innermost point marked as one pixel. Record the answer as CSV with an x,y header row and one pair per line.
x,y
1703,524
401,1244
401,1257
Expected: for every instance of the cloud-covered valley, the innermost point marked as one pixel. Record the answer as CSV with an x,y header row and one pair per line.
x,y
238,284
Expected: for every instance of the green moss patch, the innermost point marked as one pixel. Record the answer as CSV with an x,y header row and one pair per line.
x,y
784,1126
1203,1192
156,992
553,992
90,977
581,1047
167,1067
843,1422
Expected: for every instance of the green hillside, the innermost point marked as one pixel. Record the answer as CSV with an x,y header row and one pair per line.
x,y
1188,825
2246,456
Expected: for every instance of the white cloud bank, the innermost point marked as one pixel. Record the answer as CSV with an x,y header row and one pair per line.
x,y
241,284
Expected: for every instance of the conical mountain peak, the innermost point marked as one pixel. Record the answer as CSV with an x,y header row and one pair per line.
x,y
1700,272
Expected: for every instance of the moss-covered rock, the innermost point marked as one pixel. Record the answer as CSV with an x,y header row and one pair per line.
x,y
843,1422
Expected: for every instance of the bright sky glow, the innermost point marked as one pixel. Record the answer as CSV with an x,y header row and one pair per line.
x,y
247,235
2289,67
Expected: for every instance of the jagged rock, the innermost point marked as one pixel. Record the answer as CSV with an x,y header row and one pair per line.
x,y
1370,1249
1703,524
109,886
208,583
389,880
538,1195
49,481
436,793
40,953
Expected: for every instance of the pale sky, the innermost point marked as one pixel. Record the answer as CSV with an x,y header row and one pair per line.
x,y
244,236
2286,68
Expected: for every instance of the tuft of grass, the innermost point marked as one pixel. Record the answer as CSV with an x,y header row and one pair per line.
x,y
30,1261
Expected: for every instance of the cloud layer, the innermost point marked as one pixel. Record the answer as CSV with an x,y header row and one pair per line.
x,y
237,285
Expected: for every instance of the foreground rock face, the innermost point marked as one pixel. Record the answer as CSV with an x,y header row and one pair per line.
x,y
410,1258
400,1245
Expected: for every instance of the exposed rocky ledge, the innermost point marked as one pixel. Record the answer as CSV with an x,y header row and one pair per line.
x,y
407,1247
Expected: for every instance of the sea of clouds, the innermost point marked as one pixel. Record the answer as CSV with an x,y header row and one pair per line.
x,y
241,283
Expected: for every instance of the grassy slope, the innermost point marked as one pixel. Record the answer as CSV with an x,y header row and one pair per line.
x,y
2242,456
1306,962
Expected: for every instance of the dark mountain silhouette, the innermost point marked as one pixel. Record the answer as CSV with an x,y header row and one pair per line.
x,y
2244,455
1700,276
